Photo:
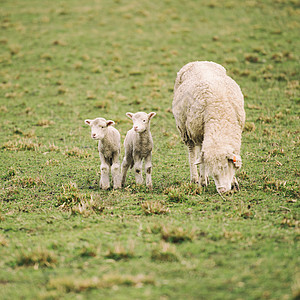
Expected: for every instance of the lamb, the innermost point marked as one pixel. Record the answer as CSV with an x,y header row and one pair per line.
x,y
109,150
138,146
208,107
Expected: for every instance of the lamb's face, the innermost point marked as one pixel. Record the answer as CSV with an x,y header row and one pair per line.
x,y
99,127
141,120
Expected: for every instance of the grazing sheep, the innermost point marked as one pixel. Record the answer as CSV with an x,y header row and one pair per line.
x,y
138,146
208,107
109,150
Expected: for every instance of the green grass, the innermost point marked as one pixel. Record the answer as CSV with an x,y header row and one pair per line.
x,y
60,236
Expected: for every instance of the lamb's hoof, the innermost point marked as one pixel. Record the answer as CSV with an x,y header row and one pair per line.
x,y
104,186
150,187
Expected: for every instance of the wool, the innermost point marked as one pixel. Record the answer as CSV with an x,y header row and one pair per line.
x,y
208,107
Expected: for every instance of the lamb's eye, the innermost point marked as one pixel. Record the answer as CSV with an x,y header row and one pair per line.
x,y
144,121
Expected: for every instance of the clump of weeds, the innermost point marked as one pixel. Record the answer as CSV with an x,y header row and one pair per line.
x,y
154,208
175,194
177,234
76,152
87,207
37,258
71,196
77,285
118,251
164,252
21,145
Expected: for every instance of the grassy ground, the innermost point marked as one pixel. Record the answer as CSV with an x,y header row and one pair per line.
x,y
62,237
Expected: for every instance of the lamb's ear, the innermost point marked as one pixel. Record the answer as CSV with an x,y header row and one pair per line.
x,y
88,122
129,115
236,159
151,115
110,122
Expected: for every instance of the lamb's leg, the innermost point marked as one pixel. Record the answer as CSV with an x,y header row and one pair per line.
x,y
138,169
148,171
104,177
115,171
127,161
192,160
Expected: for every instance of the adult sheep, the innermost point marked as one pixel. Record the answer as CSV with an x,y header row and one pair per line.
x,y
208,107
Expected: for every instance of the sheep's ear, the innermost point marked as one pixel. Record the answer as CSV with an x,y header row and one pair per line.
x,y
236,159
88,122
151,115
129,115
110,122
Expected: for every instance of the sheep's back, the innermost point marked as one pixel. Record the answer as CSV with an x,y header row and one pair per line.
x,y
203,93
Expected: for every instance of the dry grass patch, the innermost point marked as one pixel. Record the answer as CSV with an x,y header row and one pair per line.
x,y
77,285
86,207
105,105
3,240
21,145
28,182
154,208
53,148
118,251
37,258
70,196
164,252
177,234
44,123
76,152
249,127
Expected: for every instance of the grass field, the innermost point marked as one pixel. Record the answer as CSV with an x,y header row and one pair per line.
x,y
62,62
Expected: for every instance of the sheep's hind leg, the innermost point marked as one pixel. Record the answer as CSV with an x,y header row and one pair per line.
x,y
115,171
192,160
127,161
148,171
104,177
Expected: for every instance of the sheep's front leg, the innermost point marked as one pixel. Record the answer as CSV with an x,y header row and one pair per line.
x,y
115,171
104,177
138,169
148,171
235,184
203,176
192,160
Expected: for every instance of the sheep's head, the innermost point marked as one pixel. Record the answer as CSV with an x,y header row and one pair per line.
x,y
141,120
99,127
222,168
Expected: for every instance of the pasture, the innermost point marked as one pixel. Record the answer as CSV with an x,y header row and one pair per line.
x,y
61,237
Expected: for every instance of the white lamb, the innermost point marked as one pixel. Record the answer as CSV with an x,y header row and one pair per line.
x,y
208,107
109,150
138,146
